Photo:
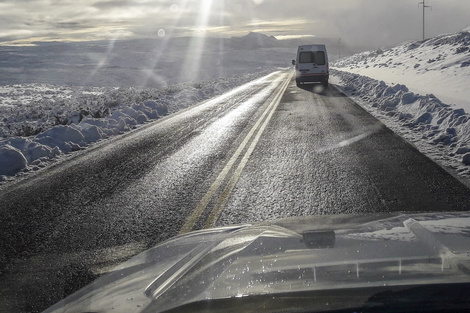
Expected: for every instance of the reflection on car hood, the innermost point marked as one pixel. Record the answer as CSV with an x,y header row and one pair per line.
x,y
290,255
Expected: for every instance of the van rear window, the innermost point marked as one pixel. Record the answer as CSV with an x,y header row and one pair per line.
x,y
317,57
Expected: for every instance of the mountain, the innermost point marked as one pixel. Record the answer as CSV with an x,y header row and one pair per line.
x,y
254,41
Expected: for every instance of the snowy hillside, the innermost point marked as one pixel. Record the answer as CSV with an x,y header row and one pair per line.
x,y
420,90
439,65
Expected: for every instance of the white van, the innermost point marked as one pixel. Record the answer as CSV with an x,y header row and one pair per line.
x,y
312,65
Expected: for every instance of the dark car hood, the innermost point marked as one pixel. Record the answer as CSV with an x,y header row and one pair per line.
x,y
290,255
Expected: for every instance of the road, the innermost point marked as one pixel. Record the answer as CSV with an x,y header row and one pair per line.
x,y
265,150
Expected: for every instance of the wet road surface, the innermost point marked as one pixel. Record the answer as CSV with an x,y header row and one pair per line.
x,y
266,150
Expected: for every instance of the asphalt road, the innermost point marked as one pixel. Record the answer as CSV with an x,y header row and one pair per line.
x,y
267,150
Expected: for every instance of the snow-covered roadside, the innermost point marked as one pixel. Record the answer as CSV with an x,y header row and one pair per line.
x,y
438,130
438,66
419,89
41,123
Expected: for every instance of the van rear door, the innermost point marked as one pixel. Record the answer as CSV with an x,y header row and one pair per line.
x,y
312,64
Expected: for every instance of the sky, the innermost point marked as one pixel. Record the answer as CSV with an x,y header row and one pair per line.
x,y
368,23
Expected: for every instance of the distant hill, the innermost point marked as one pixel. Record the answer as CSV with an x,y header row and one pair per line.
x,y
254,41
149,62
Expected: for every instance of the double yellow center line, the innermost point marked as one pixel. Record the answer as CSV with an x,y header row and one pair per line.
x,y
256,131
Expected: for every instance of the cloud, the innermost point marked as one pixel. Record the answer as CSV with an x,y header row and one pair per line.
x,y
362,22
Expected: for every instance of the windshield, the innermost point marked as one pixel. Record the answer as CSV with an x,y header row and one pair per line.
x,y
127,125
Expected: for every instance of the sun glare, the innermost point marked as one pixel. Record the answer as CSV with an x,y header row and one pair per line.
x,y
192,63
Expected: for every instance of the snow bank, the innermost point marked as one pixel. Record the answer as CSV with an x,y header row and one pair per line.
x,y
428,119
439,65
11,160
37,129
420,90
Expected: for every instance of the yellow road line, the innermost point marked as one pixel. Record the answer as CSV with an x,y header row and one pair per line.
x,y
217,210
195,215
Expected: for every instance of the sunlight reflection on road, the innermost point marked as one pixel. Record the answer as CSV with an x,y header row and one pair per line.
x,y
349,141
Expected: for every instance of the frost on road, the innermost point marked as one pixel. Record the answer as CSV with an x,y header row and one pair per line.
x,y
323,154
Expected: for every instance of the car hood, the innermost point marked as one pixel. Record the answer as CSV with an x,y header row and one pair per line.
x,y
289,255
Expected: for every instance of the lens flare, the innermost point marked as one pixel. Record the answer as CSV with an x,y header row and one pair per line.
x,y
164,35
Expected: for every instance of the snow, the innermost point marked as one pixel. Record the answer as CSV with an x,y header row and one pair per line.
x,y
12,160
438,66
36,131
418,89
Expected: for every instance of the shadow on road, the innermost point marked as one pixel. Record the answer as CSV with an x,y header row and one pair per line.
x,y
319,89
